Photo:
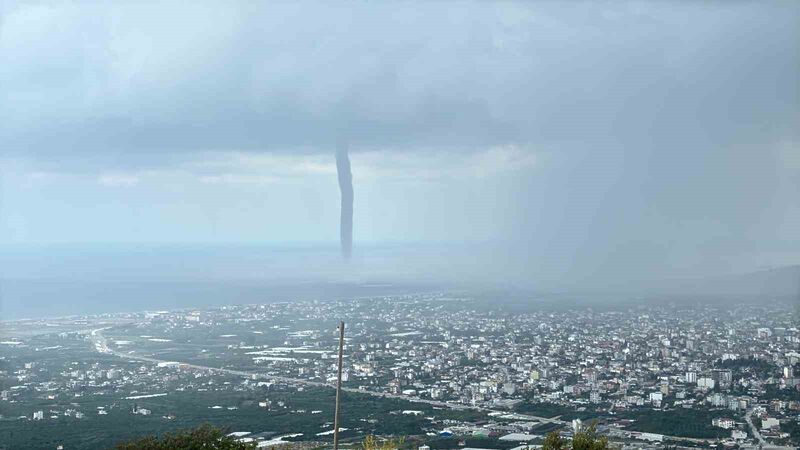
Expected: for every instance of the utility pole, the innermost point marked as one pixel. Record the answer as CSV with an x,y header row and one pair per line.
x,y
338,389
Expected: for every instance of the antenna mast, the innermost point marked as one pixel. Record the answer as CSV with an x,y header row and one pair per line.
x,y
338,389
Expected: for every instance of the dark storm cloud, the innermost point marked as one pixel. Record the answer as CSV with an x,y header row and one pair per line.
x,y
84,79
668,130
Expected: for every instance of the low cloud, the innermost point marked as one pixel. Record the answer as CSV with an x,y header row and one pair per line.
x,y
432,166
235,178
242,168
118,180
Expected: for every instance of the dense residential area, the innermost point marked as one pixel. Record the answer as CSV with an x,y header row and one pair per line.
x,y
447,370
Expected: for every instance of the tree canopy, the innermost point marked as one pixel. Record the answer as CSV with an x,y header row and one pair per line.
x,y
585,439
206,437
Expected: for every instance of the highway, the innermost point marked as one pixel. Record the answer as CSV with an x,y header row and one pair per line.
x,y
101,346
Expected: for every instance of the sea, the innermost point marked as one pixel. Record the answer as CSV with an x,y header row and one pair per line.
x,y
65,280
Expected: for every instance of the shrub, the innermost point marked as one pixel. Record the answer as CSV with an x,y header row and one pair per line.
x,y
586,439
206,437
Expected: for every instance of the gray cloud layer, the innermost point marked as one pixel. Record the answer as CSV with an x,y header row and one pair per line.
x,y
154,78
668,130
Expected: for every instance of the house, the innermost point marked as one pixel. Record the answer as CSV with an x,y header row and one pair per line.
x,y
723,422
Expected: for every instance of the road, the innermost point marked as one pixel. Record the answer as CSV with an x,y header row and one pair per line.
x,y
753,430
762,443
101,346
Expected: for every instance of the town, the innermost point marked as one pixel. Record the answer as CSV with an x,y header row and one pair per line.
x,y
438,367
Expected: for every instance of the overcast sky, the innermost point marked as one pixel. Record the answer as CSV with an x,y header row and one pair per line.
x,y
592,139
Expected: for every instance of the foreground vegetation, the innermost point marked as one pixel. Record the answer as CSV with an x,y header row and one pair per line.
x,y
212,438
202,437
586,439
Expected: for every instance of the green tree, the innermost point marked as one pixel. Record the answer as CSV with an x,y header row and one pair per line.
x,y
206,437
585,439
554,441
588,439
372,443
